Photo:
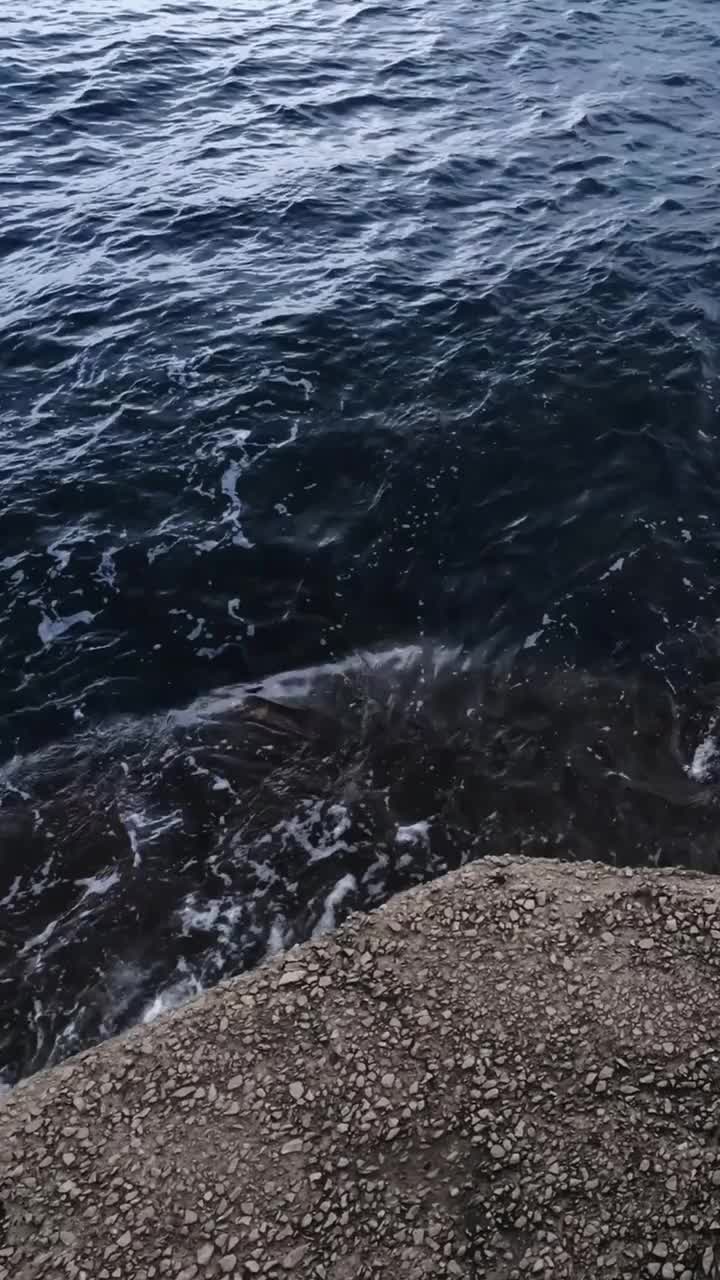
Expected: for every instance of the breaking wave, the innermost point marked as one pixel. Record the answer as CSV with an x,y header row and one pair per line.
x,y
146,859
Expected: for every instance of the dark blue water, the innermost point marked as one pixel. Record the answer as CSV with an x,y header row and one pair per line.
x,y
332,329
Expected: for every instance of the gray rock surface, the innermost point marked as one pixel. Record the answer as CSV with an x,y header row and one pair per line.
x,y
513,1071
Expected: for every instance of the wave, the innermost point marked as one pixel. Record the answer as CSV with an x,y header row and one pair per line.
x,y
147,858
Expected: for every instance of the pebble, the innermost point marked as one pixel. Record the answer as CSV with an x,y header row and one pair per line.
x,y
291,977
295,1257
422,1076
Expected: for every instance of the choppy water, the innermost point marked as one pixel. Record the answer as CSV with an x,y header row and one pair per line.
x,y
332,329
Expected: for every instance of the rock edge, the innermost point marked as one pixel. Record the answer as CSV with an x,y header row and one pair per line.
x,y
512,1071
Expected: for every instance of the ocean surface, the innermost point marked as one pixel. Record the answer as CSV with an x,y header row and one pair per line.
x,y
359,497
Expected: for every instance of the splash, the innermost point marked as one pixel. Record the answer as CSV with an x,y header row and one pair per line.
x,y
146,859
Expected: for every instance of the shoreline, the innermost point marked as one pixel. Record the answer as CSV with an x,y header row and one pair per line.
x,y
512,1070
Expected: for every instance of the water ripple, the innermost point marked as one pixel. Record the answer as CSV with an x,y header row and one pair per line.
x,y
329,325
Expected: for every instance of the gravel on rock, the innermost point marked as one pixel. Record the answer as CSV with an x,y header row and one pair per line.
x,y
513,1071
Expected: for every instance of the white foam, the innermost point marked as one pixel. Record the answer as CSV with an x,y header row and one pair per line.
x,y
107,571
60,554
617,566
12,892
327,921
52,628
277,939
228,485
202,917
700,768
5,778
280,444
172,997
197,629
414,833
221,784
129,826
144,829
318,828
39,939
531,640
11,562
98,885
42,881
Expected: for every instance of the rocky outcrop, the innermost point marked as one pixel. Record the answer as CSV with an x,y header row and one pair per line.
x,y
513,1071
